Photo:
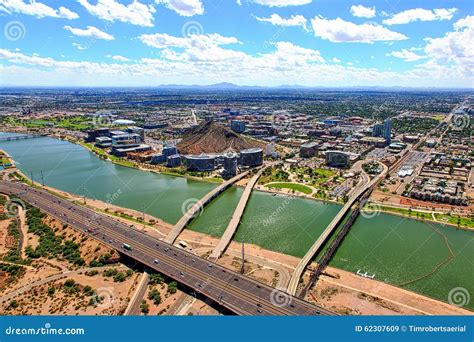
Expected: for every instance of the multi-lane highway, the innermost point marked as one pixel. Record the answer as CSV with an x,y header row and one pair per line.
x,y
237,293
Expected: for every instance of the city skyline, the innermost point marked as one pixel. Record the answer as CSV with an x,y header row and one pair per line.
x,y
255,43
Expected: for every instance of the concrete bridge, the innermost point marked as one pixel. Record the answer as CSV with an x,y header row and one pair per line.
x,y
233,291
199,205
235,220
362,187
335,243
20,137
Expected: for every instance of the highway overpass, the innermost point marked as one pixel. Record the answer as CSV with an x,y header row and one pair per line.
x,y
231,290
197,207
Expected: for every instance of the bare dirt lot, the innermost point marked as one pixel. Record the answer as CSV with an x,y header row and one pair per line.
x,y
348,293
89,295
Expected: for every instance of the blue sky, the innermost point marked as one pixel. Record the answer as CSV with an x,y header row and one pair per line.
x,y
247,42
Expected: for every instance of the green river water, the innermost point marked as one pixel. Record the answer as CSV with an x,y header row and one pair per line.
x,y
395,249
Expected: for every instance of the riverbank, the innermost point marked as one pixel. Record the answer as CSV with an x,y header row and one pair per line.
x,y
126,163
340,283
465,223
375,208
283,224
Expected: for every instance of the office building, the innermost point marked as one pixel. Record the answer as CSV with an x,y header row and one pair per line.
x,y
126,139
237,126
96,133
338,158
158,159
309,149
230,165
173,161
201,163
251,157
169,150
123,150
103,142
383,130
137,130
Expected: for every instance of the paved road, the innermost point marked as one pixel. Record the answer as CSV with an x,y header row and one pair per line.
x,y
235,220
283,273
54,277
316,247
237,293
199,205
133,307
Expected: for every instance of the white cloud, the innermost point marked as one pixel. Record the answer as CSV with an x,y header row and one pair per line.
x,y
36,9
467,22
294,20
79,46
339,30
186,8
455,47
202,41
135,13
362,11
296,55
336,60
420,14
406,55
281,3
288,63
197,47
119,58
90,31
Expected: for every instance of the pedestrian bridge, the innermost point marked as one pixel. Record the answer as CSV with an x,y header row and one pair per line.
x,y
197,207
362,188
235,220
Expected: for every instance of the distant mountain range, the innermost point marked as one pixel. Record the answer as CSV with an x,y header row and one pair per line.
x,y
226,86
232,86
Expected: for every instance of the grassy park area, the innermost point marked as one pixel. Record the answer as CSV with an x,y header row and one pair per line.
x,y
292,186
